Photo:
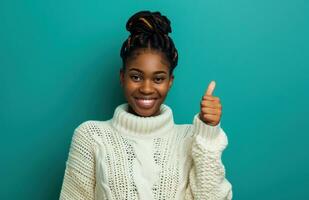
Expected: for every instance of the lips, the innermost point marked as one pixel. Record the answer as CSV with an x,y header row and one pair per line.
x,y
145,103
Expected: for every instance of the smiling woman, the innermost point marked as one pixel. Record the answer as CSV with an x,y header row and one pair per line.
x,y
140,153
146,81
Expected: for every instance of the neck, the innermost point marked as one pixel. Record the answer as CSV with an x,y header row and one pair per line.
x,y
127,123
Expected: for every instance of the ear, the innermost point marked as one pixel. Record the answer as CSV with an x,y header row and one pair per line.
x,y
121,76
171,81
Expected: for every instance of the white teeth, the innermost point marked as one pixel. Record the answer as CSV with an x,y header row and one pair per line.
x,y
145,103
145,99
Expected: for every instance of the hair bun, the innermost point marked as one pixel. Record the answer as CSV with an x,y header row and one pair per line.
x,y
148,23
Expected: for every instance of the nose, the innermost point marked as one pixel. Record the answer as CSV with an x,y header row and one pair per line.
x,y
146,87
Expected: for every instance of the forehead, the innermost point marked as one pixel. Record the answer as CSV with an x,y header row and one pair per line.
x,y
148,62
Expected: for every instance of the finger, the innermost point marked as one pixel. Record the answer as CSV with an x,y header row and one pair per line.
x,y
210,88
211,104
211,98
211,117
212,111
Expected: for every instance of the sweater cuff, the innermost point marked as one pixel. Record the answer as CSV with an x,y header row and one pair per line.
x,y
208,132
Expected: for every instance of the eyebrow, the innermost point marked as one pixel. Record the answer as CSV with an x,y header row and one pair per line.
x,y
157,72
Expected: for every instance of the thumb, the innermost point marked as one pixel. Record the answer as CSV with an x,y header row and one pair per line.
x,y
210,88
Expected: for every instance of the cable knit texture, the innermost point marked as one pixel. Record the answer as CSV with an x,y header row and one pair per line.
x,y
133,157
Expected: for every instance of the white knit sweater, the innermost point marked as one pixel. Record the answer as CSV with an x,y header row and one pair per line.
x,y
132,157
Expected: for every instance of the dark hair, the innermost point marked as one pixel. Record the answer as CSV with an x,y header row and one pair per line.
x,y
149,30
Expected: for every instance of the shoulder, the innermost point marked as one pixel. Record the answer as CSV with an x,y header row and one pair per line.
x,y
89,125
91,129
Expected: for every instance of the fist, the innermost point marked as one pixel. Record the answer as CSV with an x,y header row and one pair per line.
x,y
211,108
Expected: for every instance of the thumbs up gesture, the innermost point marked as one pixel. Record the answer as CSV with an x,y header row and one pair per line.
x,y
211,108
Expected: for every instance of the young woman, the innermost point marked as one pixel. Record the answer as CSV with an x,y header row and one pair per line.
x,y
140,153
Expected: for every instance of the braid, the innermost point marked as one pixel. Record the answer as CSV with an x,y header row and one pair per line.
x,y
149,30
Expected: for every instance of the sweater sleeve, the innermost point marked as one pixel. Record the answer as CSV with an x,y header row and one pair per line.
x,y
79,176
207,175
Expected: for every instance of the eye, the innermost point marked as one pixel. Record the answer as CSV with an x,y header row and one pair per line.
x,y
135,78
159,79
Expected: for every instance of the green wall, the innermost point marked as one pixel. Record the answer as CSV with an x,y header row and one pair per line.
x,y
59,65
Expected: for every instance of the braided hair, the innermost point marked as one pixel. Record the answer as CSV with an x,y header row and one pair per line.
x,y
149,30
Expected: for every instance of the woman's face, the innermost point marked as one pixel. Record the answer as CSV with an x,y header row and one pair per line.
x,y
146,82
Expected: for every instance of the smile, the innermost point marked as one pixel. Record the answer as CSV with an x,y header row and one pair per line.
x,y
145,103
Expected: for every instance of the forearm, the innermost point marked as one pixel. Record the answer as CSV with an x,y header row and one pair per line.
x,y
207,175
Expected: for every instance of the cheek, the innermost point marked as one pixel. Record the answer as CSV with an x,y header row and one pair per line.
x,y
164,89
128,87
126,91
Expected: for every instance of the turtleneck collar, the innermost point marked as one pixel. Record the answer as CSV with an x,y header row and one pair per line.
x,y
132,125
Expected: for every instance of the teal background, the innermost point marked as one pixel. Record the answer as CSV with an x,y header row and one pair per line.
x,y
60,62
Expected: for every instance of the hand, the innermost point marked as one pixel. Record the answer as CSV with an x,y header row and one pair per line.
x,y
211,108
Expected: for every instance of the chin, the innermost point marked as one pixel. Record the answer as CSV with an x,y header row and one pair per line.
x,y
145,112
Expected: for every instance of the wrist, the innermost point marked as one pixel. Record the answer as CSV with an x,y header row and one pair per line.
x,y
208,131
212,138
